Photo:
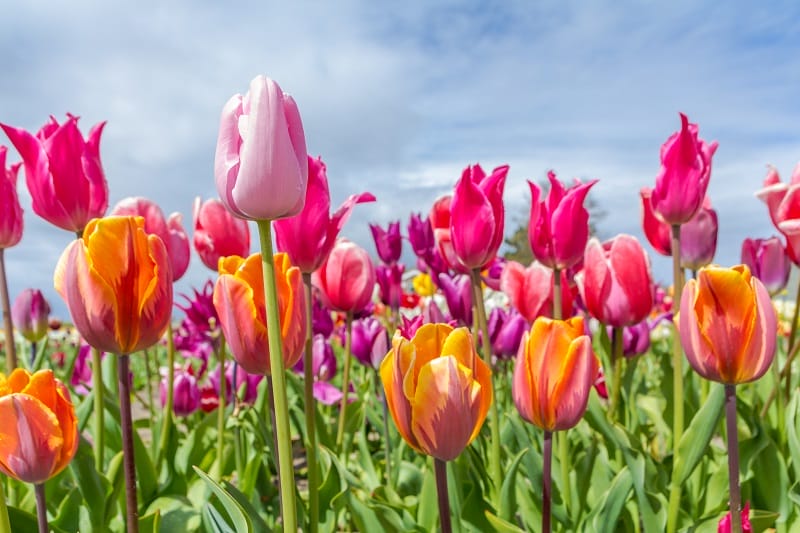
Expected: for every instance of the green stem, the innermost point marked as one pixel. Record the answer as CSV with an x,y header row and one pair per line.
x,y
166,421
288,508
345,380
616,381
11,348
386,441
129,461
151,413
733,458
41,507
221,409
677,380
547,459
440,468
272,424
311,410
494,416
99,410
5,523
563,441
237,433
792,335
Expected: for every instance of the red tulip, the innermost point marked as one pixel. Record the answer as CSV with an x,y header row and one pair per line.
x,y
11,222
530,290
217,233
783,202
347,278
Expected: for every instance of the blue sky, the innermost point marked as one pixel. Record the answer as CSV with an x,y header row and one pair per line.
x,y
398,99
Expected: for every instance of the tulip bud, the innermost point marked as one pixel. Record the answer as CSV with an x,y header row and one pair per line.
x,y
30,314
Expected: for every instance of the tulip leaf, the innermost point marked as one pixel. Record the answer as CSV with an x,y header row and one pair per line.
x,y
428,508
792,430
259,526
241,522
500,525
695,439
612,502
508,491
176,514
93,486
150,522
68,514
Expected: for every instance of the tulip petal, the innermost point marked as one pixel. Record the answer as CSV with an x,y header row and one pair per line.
x,y
392,374
472,224
571,392
30,438
245,332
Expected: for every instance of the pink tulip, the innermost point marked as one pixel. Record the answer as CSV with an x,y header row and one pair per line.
x,y
261,165
347,278
699,238
170,231
11,222
724,524
616,283
63,172
187,393
30,314
477,216
559,224
658,233
530,290
217,233
439,218
685,172
308,237
783,202
768,262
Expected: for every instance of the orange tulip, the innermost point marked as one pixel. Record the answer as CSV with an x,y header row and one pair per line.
x,y
554,373
38,426
117,282
239,301
728,325
437,389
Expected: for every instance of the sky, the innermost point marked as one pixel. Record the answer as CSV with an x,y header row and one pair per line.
x,y
398,98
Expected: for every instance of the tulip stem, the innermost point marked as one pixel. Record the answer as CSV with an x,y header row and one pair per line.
x,y
440,467
11,349
563,442
547,460
272,424
166,421
733,458
386,442
41,507
129,462
5,523
311,410
288,508
221,408
677,380
616,362
494,418
557,314
345,380
99,410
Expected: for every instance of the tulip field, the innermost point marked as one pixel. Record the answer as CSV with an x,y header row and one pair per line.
x,y
428,383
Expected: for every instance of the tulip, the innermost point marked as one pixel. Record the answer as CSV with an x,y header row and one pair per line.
x,y
635,338
768,261
388,242
81,379
699,238
554,372
309,237
370,342
11,222
505,331
457,292
420,234
117,284
30,314
616,283
261,164
187,393
685,172
438,389
724,525
63,172
530,290
728,325
477,216
321,319
491,274
440,222
423,284
239,301
783,202
658,233
390,284
559,224
323,363
38,426
170,231
347,278
217,233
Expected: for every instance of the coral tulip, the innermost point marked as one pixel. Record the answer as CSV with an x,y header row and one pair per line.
x,y
30,313
559,225
438,389
685,172
767,260
530,290
11,222
616,283
388,242
554,372
347,278
117,284
217,233
728,325
239,300
63,172
38,426
309,237
783,202
261,164
477,216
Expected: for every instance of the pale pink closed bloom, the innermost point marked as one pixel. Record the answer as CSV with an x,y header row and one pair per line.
x,y
768,261
559,225
347,278
11,222
530,290
217,233
170,231
685,172
783,202
261,165
63,172
616,283
699,238
309,237
477,216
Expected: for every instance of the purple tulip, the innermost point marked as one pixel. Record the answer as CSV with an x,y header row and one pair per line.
x,y
30,314
457,292
370,342
186,393
505,331
420,234
390,284
699,238
768,261
388,242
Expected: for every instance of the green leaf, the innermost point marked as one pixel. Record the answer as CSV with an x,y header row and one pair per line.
x,y
149,523
508,491
68,514
612,502
259,526
241,522
176,514
500,525
428,507
694,441
93,486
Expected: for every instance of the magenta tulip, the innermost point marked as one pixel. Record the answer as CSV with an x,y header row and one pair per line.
x,y
506,328
11,222
699,238
768,261
420,235
63,172
388,242
457,291
217,233
783,202
658,233
559,225
685,172
390,284
261,165
30,314
187,393
370,341
309,237
347,278
530,290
